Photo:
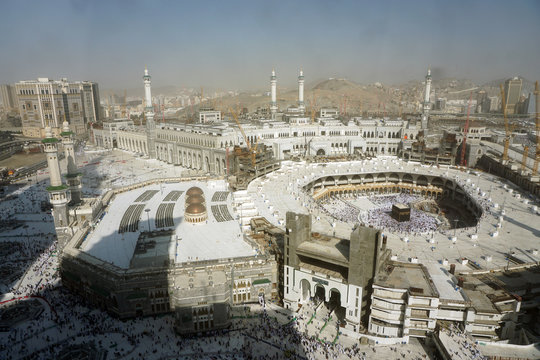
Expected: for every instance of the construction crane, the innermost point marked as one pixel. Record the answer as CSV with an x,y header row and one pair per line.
x,y
233,113
506,128
524,160
251,150
537,155
465,133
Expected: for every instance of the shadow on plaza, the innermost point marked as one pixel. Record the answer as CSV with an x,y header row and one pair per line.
x,y
535,231
21,244
278,333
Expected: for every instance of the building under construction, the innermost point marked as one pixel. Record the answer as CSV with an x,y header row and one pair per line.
x,y
519,174
248,163
444,154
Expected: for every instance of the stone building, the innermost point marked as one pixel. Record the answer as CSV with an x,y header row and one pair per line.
x,y
45,102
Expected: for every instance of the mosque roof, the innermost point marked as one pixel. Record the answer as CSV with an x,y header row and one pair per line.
x,y
194,209
194,191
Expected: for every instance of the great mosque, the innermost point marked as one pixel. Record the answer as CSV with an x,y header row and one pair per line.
x,y
193,247
204,146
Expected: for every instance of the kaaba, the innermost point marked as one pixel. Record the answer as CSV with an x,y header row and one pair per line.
x,y
401,212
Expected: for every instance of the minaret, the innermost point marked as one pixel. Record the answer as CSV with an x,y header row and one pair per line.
x,y
149,114
59,194
273,102
73,176
427,104
301,105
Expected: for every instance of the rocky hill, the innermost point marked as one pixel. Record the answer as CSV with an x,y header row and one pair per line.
x,y
355,98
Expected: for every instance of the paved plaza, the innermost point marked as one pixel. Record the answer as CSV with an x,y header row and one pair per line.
x,y
41,320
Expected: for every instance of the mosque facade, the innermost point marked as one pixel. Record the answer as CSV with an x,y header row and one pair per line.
x,y
205,146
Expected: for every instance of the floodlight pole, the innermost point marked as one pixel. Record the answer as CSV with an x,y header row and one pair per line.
x,y
148,217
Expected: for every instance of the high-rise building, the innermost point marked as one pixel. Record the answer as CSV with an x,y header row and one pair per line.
x,y
529,106
440,104
9,97
493,104
44,102
512,93
481,101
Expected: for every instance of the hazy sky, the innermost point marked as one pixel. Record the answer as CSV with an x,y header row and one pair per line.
x,y
235,44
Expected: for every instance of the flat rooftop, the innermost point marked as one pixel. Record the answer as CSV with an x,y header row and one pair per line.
x,y
480,301
326,247
412,277
444,283
216,238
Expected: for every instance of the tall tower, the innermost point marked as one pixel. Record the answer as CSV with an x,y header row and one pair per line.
x,y
427,104
301,105
512,91
149,114
273,83
73,176
59,194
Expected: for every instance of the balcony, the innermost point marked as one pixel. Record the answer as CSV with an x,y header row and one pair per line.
x,y
419,315
393,318
387,306
486,322
417,333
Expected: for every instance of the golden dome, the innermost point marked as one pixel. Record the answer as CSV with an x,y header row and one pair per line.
x,y
195,199
194,191
194,209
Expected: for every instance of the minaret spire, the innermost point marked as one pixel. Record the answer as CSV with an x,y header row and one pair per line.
x,y
273,84
149,114
73,176
59,193
426,104
301,106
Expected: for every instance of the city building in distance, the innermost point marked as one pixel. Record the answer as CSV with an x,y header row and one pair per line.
x,y
45,102
512,91
9,97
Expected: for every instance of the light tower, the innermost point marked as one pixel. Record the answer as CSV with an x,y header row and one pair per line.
x,y
301,106
59,194
73,177
149,114
427,104
273,83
